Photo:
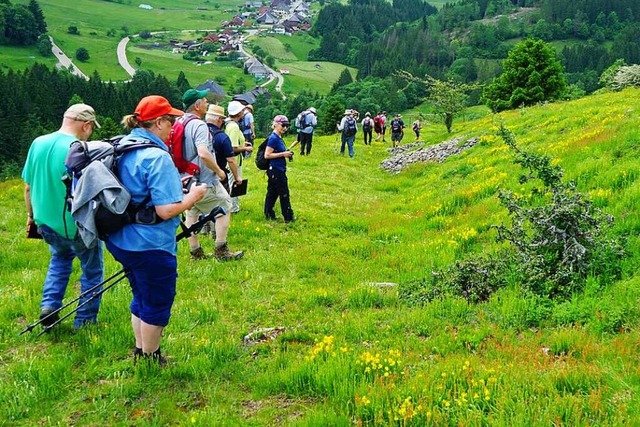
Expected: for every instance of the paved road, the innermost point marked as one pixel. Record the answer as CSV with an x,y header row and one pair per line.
x,y
64,60
122,57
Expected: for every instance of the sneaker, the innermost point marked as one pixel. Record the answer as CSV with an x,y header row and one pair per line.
x,y
197,254
287,221
224,254
46,318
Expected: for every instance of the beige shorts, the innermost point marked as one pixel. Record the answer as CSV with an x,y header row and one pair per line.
x,y
215,196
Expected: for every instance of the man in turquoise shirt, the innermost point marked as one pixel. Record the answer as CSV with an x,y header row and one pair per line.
x,y
45,196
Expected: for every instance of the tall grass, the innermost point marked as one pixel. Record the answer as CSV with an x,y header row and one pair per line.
x,y
351,351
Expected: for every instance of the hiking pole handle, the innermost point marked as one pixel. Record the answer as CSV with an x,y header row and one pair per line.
x,y
217,212
30,327
46,329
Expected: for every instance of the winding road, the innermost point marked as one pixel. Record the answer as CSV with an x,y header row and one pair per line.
x,y
65,61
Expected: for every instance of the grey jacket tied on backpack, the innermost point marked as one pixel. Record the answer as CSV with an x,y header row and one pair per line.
x,y
99,183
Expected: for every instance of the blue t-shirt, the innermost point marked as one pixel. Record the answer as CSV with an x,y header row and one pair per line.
x,y
149,171
275,142
221,146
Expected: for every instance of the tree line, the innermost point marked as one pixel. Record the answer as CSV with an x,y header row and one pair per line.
x,y
35,99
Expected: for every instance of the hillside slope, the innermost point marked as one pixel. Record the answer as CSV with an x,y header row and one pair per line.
x,y
346,348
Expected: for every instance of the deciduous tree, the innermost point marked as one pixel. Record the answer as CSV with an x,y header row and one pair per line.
x,y
531,74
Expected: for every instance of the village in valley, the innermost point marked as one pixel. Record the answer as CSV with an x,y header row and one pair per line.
x,y
280,17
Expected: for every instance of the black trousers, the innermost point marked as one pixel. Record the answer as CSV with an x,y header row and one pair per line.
x,y
277,187
305,142
367,134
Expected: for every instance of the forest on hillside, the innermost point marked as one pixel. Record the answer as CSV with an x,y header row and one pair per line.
x,y
465,36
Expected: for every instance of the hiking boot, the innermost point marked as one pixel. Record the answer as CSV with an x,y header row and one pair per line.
x,y
155,357
198,253
137,354
287,221
46,318
224,254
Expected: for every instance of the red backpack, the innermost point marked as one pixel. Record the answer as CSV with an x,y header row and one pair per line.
x,y
176,147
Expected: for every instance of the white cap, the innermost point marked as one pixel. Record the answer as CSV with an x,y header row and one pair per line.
x,y
234,108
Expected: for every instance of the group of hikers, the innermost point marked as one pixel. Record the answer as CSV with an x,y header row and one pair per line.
x,y
216,144
348,127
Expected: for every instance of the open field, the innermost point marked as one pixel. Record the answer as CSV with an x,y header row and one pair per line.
x,y
352,350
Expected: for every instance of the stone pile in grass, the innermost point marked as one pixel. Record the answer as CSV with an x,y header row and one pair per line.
x,y
407,154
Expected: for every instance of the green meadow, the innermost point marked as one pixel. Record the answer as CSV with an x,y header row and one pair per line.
x,y
291,52
330,340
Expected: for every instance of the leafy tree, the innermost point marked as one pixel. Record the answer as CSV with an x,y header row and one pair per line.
x,y
138,61
20,26
607,76
531,74
44,45
82,54
73,30
449,98
626,76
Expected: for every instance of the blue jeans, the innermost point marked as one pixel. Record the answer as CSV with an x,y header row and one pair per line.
x,y
349,141
63,251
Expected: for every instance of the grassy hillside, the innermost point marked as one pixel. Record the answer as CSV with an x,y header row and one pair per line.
x,y
353,352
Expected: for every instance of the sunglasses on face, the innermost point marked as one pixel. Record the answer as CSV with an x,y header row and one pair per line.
x,y
170,119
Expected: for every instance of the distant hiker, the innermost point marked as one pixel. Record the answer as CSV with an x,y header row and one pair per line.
x,y
247,125
306,122
416,126
397,129
367,128
198,146
148,251
278,186
349,127
383,124
240,146
377,125
45,198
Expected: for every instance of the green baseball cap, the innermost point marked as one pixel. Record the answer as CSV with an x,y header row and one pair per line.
x,y
192,95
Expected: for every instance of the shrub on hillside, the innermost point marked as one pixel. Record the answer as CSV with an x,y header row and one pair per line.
x,y
559,236
557,241
627,76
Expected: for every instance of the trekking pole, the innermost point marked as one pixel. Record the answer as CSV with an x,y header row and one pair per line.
x,y
46,329
186,232
194,228
30,327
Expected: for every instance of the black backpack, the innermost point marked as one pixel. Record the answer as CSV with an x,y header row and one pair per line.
x,y
350,128
261,162
82,154
366,125
395,125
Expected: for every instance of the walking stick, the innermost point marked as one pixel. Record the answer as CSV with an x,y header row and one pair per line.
x,y
217,212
